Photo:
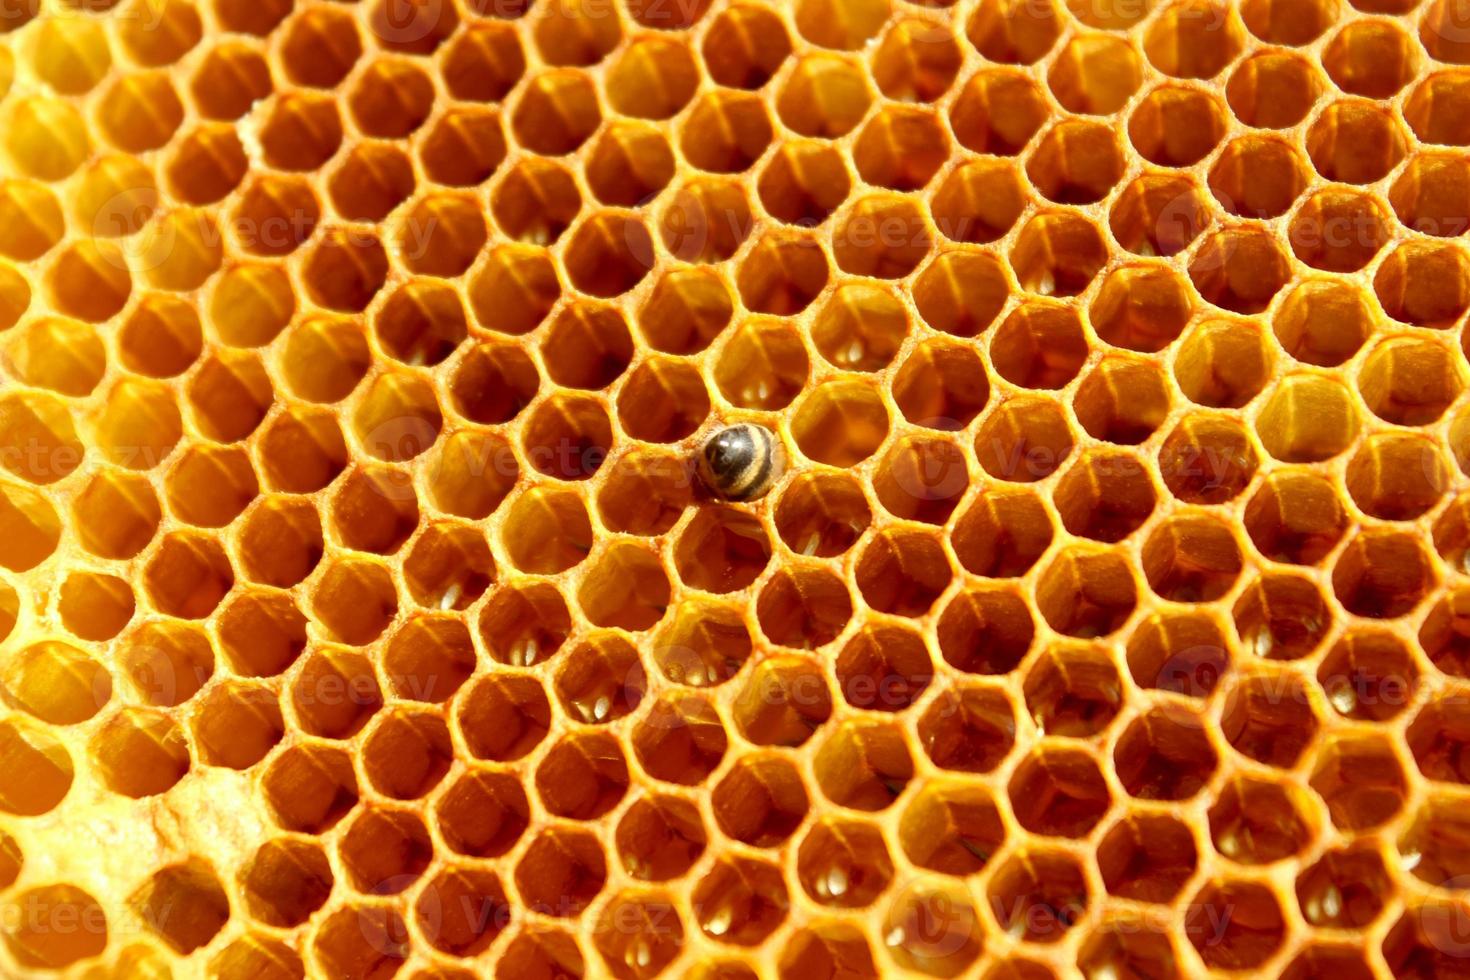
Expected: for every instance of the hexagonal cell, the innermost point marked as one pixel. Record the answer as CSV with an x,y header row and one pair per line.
x,y
760,801
286,881
524,624
37,768
1368,675
187,575
961,293
370,181
744,46
535,201
818,949
1361,780
921,479
301,450
1095,74
1239,269
355,600
1039,345
166,662
882,235
1157,214
1086,592
63,355
1307,419
803,183
723,549
703,643
407,753
1182,653
56,682
482,814
1038,895
1147,857
43,424
582,776
1129,947
1001,534
385,850
1234,924
191,888
1424,284
1072,691
681,740
1431,848
763,366
1255,821
1437,737
1260,177
1193,39
725,132
740,900
650,937
840,423
462,910
310,788
335,694
92,606
1269,717
1382,574
601,679
1165,754
362,940
903,572
844,863
1273,90
1105,413
1077,162
39,946
1223,363
1058,792
863,765
900,148
884,668
1421,941
784,701
562,871
1104,495
824,96
1410,381
934,929
1057,254
1207,459
1315,242
441,235
514,289
236,725
568,436
626,587
140,752
707,220
1434,107
998,111
985,631
1371,58
660,838
951,827
502,716
1323,322
261,633
1281,617
1344,889
1355,142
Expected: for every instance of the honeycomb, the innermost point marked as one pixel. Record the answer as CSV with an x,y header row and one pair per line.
x,y
361,618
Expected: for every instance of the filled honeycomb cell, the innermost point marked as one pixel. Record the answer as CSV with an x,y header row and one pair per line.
x,y
363,612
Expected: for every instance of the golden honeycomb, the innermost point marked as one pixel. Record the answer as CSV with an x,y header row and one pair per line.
x,y
361,618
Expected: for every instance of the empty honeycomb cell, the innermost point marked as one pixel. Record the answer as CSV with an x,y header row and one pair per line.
x,y
1270,717
1371,58
951,827
63,355
170,30
933,929
1435,108
1307,419
1140,307
161,338
1013,33
38,769
56,683
1193,39
229,395
1058,254
967,729
525,624
979,201
1039,345
166,662
1207,459
725,132
46,138
1191,559
275,216
536,201
1281,617
514,289
334,694
582,776
492,382
1432,194
1183,653
398,417
587,347
1291,22
961,293
703,644
601,679
320,46
115,197
882,235
900,149
1107,413
921,479
1072,692
840,423
651,935
1437,737
706,221
301,133
1176,126
89,280
1095,74
1420,937
629,166
429,658
439,236
503,717
608,255
345,269
626,587
1338,231
1368,675
370,181
310,788
653,78
181,249
1058,792
1382,574
1239,269
139,752
783,702
1322,322
187,575
384,850
407,753
1076,162
844,863
34,221
262,633
1295,517
903,572
819,949
355,600
562,872
1002,534
1147,857
985,631
1396,477
207,164
482,814
1165,755
761,801
941,385
448,567
1038,895
326,356
362,939
884,669
93,606
863,765
301,451
1104,495
231,77
723,549
235,725
209,486
40,431
35,939
680,740
740,901
1086,592
390,99
803,183
1273,90
1386,386
1235,924
286,881
1355,141
1159,214
1424,284
1361,780
861,327
1129,943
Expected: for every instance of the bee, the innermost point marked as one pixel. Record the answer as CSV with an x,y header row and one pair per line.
x,y
740,462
